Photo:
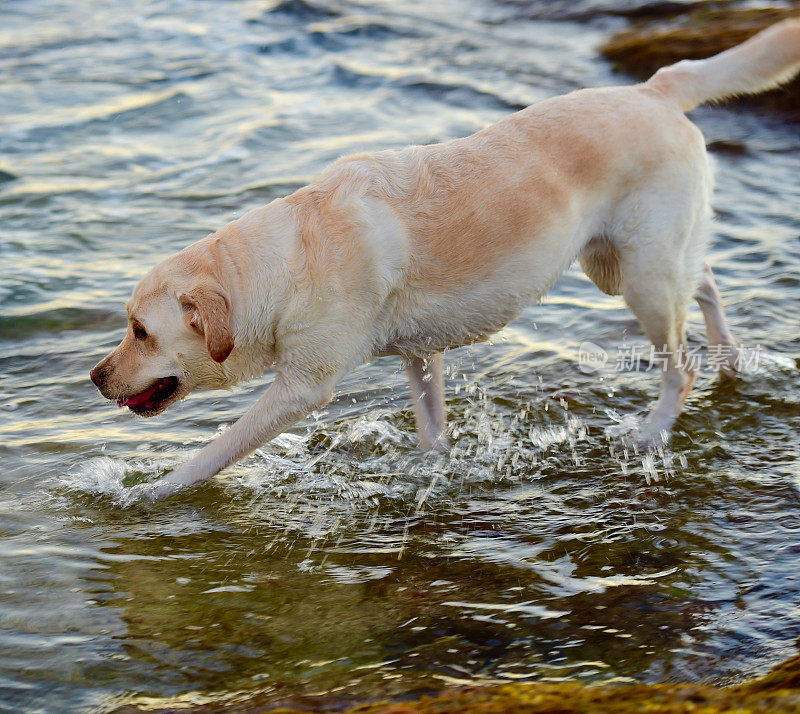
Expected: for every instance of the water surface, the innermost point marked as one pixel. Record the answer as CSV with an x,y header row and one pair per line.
x,y
339,563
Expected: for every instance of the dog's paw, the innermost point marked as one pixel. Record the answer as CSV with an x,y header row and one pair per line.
x,y
439,444
728,360
442,445
637,435
651,437
152,491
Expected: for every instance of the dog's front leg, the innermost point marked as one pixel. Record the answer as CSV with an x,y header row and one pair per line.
x,y
285,402
426,378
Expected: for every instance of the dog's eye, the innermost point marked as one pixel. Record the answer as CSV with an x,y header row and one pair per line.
x,y
139,332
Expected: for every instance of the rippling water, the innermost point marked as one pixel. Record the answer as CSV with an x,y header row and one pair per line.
x,y
338,562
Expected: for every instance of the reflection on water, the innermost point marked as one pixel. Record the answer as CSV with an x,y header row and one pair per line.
x,y
339,559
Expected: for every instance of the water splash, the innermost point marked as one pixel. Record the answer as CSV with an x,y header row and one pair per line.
x,y
124,483
760,363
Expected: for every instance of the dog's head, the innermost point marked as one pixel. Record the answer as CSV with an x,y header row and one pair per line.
x,y
179,333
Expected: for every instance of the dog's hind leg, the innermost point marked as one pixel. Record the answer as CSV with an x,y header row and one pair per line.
x,y
426,377
720,340
657,292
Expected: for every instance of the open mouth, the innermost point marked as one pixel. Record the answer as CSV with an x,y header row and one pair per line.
x,y
151,399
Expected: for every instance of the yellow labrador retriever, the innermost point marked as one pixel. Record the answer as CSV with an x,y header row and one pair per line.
x,y
410,252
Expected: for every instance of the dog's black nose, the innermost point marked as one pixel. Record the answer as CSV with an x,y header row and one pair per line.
x,y
97,376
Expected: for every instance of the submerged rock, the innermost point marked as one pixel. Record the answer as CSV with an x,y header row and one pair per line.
x,y
644,48
778,692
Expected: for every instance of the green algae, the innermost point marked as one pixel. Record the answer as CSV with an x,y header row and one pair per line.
x,y
653,43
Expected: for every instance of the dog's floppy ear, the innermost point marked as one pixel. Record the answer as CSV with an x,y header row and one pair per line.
x,y
209,312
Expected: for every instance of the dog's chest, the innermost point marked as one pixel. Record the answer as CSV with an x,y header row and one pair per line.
x,y
424,323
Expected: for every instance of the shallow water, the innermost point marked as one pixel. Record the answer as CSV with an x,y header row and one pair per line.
x,y
339,563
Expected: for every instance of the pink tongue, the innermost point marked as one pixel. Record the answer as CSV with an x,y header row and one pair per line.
x,y
140,398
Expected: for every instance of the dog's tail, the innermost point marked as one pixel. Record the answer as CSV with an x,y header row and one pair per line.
x,y
765,61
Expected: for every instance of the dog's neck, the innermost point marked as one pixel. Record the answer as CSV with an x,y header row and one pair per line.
x,y
254,254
